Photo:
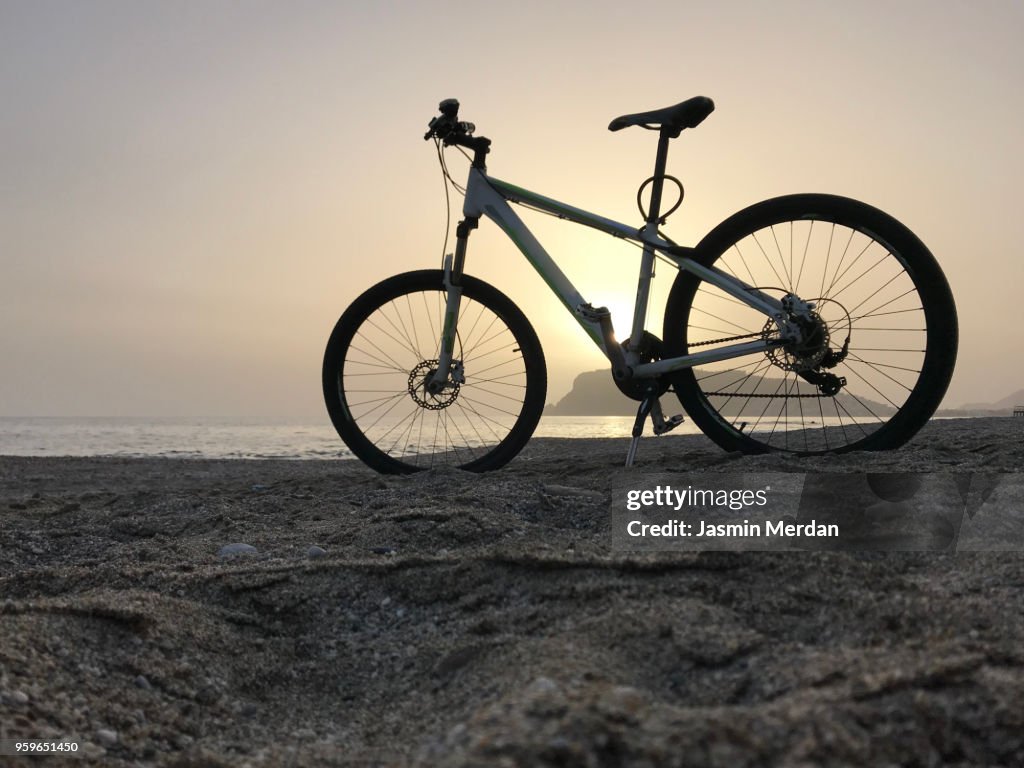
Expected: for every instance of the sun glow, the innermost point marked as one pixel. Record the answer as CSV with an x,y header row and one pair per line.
x,y
621,307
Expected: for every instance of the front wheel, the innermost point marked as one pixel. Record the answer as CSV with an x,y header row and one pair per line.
x,y
383,352
879,347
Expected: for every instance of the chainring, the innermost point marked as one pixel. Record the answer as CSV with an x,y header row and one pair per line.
x,y
650,350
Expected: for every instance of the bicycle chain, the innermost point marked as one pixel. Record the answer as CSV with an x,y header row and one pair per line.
x,y
740,394
727,338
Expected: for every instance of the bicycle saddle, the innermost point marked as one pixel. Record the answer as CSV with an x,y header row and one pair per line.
x,y
688,114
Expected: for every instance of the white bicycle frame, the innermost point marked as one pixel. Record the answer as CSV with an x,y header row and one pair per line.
x,y
490,197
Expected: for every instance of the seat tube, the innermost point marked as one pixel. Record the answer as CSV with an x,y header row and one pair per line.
x,y
643,289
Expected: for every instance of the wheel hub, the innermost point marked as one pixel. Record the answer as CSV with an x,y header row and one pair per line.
x,y
419,377
805,354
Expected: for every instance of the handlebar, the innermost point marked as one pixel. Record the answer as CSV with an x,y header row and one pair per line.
x,y
450,130
447,122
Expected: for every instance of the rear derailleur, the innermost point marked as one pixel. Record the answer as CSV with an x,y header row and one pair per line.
x,y
827,383
811,353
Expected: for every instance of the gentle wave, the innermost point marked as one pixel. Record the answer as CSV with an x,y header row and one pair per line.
x,y
212,439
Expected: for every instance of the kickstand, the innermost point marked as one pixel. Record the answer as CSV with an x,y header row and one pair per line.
x,y
638,426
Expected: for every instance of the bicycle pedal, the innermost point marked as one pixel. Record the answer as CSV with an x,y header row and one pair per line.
x,y
658,420
667,425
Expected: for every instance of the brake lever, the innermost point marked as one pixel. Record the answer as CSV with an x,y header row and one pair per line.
x,y
430,128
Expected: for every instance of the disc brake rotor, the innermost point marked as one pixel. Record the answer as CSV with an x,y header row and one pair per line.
x,y
418,378
804,355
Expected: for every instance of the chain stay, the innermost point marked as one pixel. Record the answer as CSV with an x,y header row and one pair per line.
x,y
759,335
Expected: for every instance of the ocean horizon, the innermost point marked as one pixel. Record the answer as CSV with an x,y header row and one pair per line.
x,y
222,438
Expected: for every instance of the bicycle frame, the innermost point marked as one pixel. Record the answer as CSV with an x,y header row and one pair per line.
x,y
490,197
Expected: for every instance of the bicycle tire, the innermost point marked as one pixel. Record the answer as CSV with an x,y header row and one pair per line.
x,y
912,362
379,356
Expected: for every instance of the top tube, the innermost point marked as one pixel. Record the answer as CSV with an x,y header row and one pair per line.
x,y
680,255
515,194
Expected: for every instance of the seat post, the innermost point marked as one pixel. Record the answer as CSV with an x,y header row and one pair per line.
x,y
660,161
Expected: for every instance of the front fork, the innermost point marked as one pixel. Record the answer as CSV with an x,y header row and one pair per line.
x,y
453,267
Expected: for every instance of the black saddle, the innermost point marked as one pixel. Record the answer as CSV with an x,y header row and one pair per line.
x,y
688,114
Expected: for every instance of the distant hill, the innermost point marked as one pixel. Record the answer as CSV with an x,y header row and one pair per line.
x,y
595,394
1006,404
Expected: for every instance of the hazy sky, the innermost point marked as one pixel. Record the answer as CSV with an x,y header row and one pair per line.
x,y
192,192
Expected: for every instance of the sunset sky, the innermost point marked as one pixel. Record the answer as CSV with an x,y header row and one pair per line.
x,y
192,192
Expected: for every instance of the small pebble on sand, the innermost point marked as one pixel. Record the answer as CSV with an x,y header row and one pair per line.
x,y
106,737
234,550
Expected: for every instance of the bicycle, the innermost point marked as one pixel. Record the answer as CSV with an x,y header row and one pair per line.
x,y
807,323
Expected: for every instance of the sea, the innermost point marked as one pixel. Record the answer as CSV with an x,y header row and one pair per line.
x,y
230,439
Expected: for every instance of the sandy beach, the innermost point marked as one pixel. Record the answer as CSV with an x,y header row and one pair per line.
x,y
454,619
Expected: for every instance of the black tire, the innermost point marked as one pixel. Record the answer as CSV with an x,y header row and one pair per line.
x,y
873,281
380,353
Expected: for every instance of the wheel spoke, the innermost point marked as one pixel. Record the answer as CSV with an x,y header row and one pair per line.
x,y
839,275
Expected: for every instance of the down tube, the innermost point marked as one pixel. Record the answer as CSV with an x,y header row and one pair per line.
x,y
499,211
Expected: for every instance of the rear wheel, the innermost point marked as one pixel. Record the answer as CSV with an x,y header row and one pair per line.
x,y
385,349
883,330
